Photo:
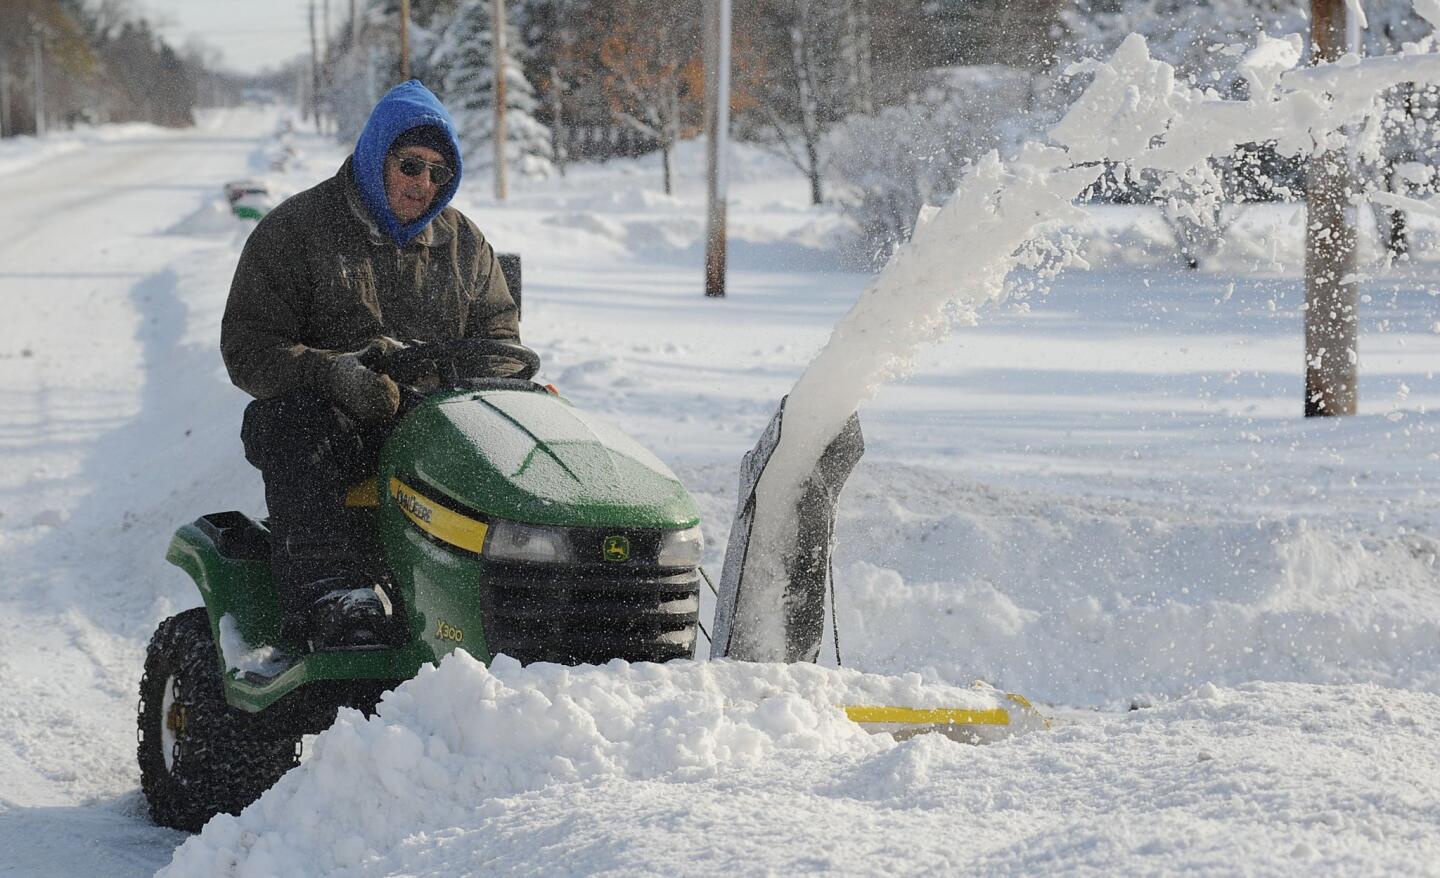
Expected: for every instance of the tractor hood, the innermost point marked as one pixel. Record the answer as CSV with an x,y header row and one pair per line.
x,y
532,457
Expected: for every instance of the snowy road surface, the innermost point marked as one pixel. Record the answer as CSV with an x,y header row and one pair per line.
x,y
1104,501
87,365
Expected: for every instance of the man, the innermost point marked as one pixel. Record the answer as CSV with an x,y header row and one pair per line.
x,y
342,270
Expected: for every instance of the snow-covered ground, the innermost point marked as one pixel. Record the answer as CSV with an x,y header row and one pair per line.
x,y
1102,497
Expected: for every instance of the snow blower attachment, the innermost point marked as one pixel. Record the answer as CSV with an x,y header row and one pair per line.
x,y
771,602
800,557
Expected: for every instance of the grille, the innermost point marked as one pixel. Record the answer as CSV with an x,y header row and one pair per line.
x,y
590,616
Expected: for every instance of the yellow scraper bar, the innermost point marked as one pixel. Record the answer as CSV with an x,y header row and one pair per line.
x,y
929,717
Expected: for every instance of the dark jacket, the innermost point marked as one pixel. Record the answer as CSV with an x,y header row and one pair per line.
x,y
320,275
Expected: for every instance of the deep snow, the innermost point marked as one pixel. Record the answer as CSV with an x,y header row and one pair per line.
x,y
1103,498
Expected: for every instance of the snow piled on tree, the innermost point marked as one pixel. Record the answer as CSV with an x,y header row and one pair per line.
x,y
885,167
461,62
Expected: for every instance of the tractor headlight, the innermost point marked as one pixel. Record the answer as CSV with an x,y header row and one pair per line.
x,y
513,541
681,548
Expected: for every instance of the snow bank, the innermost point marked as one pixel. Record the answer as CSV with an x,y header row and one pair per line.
x,y
461,735
1114,602
20,152
719,769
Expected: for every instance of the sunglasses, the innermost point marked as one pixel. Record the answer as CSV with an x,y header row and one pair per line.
x,y
414,166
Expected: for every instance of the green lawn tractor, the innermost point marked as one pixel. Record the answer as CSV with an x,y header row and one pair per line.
x,y
249,199
506,521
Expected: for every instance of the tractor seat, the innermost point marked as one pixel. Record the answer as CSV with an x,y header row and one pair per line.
x,y
364,494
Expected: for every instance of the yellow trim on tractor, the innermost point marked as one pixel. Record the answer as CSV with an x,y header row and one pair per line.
x,y
437,521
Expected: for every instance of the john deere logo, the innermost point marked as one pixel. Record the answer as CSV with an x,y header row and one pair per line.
x,y
616,549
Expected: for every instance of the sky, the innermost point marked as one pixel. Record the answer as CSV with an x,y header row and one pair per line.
x,y
250,34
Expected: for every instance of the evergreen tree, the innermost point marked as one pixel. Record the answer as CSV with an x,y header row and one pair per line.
x,y
462,64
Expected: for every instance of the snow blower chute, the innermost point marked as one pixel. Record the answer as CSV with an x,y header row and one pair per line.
x,y
771,602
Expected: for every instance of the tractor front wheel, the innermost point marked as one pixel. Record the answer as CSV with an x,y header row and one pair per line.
x,y
198,755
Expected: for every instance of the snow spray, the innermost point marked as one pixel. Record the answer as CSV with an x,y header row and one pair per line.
x,y
1134,113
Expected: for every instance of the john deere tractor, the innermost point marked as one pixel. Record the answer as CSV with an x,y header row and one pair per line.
x,y
506,520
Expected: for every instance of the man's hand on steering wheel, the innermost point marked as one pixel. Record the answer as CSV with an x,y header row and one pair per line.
x,y
454,363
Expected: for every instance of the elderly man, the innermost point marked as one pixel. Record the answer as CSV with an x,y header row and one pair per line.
x,y
332,275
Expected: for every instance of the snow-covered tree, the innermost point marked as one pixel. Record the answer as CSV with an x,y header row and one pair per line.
x,y
1200,38
463,65
1203,40
1402,155
888,165
364,70
810,59
653,71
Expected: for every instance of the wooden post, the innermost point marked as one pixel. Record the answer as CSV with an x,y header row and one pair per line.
x,y
1331,316
404,40
717,125
499,51
38,43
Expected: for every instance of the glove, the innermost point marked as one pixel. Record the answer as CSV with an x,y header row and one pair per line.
x,y
364,395
470,365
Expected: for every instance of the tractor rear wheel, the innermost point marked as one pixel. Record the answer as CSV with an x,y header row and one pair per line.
x,y
198,755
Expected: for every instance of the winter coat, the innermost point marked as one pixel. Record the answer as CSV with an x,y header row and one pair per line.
x,y
331,268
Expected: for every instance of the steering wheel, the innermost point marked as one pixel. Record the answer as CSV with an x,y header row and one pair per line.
x,y
406,365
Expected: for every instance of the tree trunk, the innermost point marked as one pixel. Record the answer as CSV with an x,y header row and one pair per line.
x,y
1331,347
1398,238
559,136
803,60
665,161
857,34
812,157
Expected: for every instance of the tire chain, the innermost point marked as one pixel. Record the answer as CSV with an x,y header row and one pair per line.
x,y
223,759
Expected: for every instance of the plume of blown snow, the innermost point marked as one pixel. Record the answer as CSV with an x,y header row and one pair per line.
x,y
1134,111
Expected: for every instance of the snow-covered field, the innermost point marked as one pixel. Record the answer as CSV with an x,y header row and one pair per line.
x,y
1103,498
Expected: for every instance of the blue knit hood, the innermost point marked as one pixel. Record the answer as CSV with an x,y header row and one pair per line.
x,y
407,105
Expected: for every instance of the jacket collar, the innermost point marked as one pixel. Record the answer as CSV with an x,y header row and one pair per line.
x,y
436,233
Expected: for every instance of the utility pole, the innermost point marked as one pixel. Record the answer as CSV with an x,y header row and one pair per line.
x,y
500,50
1331,316
717,126
38,42
5,92
314,71
326,75
404,40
